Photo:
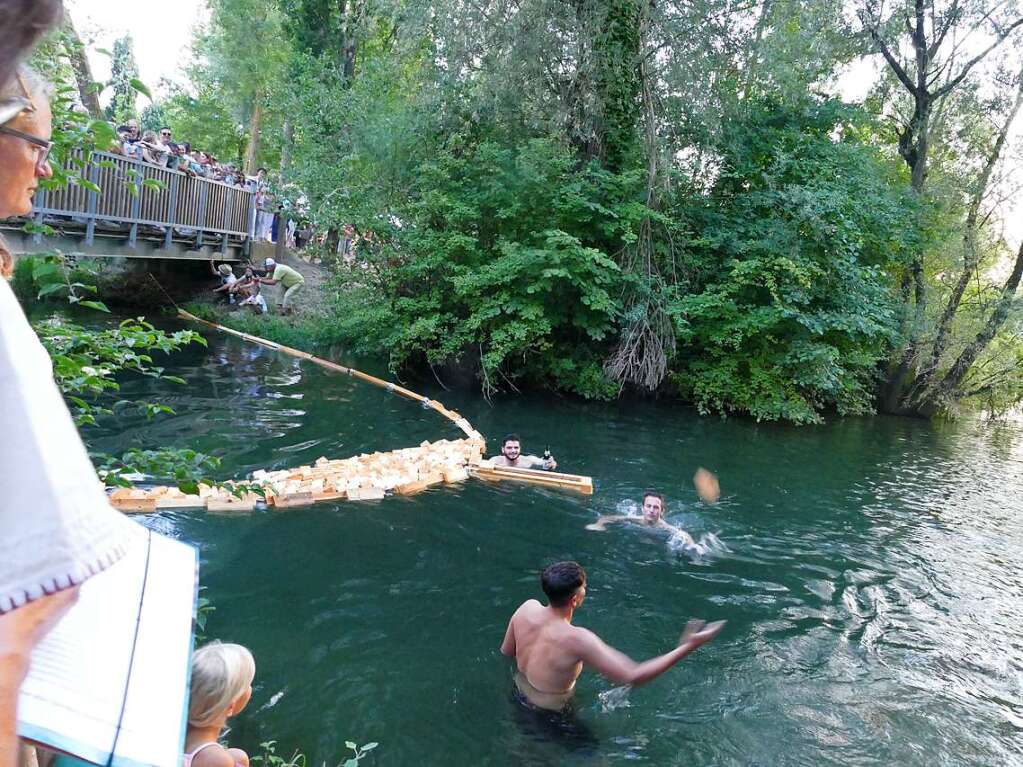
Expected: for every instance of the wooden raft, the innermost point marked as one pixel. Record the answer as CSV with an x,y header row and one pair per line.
x,y
486,470
364,477
360,478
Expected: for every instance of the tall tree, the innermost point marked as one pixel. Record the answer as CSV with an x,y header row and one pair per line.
x,y
88,89
243,50
932,49
123,70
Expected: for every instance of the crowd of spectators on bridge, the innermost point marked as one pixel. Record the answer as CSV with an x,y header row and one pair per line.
x,y
159,148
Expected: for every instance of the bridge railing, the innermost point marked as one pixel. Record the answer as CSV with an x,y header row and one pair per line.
x,y
180,208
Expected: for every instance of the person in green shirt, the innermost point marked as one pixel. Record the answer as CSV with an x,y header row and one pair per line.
x,y
290,280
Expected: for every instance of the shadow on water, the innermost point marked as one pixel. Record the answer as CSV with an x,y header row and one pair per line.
x,y
870,578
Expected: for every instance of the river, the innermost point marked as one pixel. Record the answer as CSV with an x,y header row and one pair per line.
x,y
871,581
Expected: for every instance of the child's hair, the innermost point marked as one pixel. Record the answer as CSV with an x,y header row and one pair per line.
x,y
220,673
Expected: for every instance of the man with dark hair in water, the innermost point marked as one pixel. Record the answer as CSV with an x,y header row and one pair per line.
x,y
511,455
550,652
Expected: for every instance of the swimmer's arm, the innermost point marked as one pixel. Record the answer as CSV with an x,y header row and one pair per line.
x,y
603,521
677,531
620,668
508,645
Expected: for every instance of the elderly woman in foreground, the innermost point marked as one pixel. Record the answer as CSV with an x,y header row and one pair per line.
x,y
57,527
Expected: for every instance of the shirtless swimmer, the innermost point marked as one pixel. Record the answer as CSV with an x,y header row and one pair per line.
x,y
550,652
653,517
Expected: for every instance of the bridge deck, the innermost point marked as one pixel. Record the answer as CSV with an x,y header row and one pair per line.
x,y
174,215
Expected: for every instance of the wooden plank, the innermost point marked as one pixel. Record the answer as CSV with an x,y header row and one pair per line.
x,y
366,494
179,502
575,482
291,500
234,504
135,505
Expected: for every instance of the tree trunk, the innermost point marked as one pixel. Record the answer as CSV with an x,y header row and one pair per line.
x,y
289,140
83,72
333,240
254,128
961,367
971,252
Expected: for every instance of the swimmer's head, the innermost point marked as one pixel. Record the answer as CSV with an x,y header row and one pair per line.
x,y
564,583
222,677
653,506
511,446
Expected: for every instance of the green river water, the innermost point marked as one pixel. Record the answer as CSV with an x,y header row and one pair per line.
x,y
871,580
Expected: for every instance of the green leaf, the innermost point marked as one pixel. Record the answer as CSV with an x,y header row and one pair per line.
x,y
140,87
53,287
97,305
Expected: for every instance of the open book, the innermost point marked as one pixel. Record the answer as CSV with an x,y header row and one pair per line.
x,y
109,684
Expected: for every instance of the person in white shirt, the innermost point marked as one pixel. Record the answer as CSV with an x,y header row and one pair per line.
x,y
227,280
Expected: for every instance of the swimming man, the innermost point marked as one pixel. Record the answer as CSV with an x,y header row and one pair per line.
x,y
653,511
550,652
511,455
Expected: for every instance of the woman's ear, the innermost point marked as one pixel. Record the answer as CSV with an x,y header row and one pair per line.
x,y
240,702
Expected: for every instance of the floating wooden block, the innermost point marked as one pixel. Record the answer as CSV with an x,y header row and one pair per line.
x,y
411,488
431,477
292,500
179,501
329,496
231,503
128,494
135,505
365,494
456,474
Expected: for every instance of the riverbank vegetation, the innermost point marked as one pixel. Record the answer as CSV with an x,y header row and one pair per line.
x,y
623,195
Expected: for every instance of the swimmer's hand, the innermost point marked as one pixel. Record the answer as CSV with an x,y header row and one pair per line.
x,y
698,632
550,464
598,526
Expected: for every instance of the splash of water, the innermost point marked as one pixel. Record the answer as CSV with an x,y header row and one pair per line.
x,y
628,507
615,698
707,545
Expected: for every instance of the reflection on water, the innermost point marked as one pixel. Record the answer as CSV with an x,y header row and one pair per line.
x,y
870,574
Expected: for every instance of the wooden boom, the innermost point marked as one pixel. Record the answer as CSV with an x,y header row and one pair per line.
x,y
576,482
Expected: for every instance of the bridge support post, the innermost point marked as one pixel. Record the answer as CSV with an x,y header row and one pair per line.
x,y
136,208
203,194
227,222
37,236
91,205
173,218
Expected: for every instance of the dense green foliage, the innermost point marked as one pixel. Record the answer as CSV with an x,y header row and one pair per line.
x,y
618,194
802,232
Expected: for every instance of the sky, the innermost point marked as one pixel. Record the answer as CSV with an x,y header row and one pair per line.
x,y
163,34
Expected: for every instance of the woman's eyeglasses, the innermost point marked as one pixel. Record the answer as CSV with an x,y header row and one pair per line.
x,y
41,146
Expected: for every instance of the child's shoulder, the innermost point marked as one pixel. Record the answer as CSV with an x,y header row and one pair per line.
x,y
214,756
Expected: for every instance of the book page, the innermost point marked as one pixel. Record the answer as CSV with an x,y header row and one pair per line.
x,y
72,698
153,729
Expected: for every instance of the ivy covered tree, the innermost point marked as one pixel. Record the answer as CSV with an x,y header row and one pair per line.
x,y
124,78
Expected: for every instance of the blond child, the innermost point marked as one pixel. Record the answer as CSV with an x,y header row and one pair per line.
x,y
221,687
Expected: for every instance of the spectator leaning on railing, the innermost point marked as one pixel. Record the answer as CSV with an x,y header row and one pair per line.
x,y
153,152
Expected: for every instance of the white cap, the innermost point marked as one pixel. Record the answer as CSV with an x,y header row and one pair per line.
x,y
269,262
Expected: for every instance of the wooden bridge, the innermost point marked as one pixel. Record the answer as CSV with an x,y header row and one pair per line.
x,y
174,215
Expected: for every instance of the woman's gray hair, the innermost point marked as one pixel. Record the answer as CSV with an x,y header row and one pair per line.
x,y
23,22
33,83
